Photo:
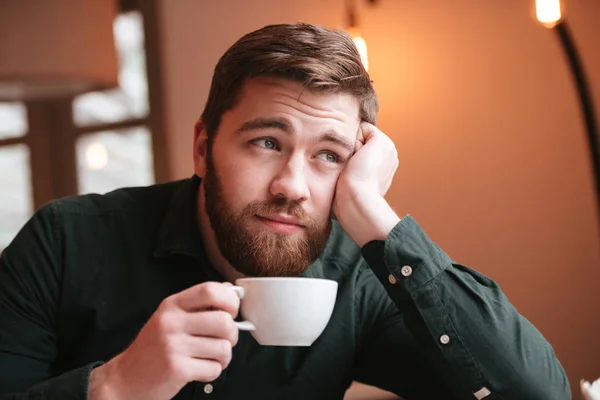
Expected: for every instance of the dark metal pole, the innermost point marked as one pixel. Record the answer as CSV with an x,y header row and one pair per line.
x,y
585,100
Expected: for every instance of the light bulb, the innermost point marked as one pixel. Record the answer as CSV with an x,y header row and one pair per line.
x,y
360,44
96,156
548,12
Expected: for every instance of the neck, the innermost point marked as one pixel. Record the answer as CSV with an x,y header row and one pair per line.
x,y
219,263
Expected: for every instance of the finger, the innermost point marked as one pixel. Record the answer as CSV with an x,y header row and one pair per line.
x,y
208,296
360,136
214,324
204,348
368,131
358,145
200,370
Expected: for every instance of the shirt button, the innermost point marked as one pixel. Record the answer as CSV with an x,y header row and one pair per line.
x,y
445,339
406,270
208,388
392,279
482,393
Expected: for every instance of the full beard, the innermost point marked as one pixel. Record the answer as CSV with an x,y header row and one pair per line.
x,y
262,252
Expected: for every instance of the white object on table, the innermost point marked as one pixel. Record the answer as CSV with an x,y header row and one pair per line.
x,y
590,391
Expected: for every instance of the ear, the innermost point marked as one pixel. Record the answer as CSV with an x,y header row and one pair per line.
x,y
200,148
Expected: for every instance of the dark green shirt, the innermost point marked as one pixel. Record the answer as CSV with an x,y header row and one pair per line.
x,y
85,273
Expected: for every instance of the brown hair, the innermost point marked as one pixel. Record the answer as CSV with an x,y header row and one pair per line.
x,y
323,60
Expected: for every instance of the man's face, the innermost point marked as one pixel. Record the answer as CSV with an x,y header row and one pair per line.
x,y
270,178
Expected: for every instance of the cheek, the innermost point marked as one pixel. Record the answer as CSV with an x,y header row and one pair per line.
x,y
322,193
242,182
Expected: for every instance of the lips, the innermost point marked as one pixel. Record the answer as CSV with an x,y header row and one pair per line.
x,y
282,224
284,219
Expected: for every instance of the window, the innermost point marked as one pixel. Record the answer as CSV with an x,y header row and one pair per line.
x,y
113,159
13,120
97,142
16,203
130,99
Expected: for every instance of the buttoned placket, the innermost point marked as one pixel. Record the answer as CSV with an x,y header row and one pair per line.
x,y
406,271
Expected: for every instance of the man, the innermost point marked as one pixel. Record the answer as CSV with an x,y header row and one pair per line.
x,y
125,296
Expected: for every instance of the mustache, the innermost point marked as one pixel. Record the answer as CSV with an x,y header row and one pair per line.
x,y
281,206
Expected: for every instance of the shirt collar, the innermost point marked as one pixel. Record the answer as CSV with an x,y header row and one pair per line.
x,y
179,233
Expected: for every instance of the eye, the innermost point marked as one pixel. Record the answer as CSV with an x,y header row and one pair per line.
x,y
329,157
266,143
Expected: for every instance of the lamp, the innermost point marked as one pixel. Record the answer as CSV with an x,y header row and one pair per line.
x,y
56,48
549,14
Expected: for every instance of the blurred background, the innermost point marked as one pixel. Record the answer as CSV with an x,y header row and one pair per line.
x,y
477,95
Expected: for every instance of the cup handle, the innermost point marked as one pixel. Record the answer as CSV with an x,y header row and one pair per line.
x,y
243,325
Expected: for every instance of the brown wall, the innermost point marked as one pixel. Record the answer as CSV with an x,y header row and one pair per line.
x,y
479,101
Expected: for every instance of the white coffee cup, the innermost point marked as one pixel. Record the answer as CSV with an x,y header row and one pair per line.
x,y
285,311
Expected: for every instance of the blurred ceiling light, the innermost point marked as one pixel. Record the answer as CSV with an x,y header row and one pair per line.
x,y
354,32
56,48
96,156
548,12
360,44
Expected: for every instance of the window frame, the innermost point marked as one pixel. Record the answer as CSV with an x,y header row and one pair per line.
x,y
52,134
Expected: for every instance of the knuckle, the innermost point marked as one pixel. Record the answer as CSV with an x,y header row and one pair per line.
x,y
224,320
224,351
166,304
236,302
227,328
210,291
233,336
168,322
232,332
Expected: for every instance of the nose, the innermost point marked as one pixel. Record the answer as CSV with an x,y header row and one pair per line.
x,y
290,182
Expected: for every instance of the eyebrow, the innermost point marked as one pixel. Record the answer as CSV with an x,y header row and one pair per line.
x,y
266,123
283,125
336,138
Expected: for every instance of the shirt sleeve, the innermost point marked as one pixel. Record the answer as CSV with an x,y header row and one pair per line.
x,y
470,335
30,271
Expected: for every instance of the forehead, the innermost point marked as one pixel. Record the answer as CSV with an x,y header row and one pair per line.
x,y
276,96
